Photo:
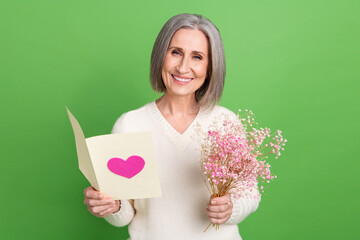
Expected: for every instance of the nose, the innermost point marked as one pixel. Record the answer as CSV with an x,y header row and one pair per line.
x,y
183,65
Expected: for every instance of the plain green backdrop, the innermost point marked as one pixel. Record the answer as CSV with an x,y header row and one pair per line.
x,y
294,63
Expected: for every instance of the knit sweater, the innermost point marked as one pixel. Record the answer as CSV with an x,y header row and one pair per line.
x,y
180,212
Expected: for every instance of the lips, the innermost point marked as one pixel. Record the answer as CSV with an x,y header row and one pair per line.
x,y
181,79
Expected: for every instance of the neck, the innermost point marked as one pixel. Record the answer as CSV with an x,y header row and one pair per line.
x,y
177,106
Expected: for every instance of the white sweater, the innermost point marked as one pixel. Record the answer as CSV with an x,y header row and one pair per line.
x,y
180,212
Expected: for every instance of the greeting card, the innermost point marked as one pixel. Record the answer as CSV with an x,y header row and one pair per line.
x,y
119,165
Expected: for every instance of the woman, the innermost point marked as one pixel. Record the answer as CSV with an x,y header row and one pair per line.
x,y
188,66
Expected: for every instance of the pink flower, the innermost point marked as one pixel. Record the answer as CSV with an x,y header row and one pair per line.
x,y
234,154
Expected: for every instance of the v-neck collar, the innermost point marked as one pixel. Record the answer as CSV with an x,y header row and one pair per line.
x,y
180,139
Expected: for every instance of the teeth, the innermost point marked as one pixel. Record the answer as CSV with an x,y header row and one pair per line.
x,y
182,79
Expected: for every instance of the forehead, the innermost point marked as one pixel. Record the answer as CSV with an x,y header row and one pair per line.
x,y
190,40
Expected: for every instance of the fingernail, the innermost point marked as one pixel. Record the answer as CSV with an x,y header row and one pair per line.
x,y
229,203
213,202
109,201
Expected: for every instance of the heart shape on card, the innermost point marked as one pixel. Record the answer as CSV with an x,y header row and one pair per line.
x,y
129,168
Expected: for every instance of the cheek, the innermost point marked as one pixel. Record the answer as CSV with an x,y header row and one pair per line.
x,y
169,63
165,68
201,71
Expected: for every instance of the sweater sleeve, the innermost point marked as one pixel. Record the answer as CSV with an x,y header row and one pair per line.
x,y
243,207
127,211
124,216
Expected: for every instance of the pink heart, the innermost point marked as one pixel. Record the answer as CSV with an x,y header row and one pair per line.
x,y
129,168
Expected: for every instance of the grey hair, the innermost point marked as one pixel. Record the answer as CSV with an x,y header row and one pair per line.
x,y
211,91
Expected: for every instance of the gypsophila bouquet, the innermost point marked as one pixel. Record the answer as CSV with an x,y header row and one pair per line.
x,y
234,155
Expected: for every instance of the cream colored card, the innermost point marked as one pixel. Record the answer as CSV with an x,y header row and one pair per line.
x,y
119,165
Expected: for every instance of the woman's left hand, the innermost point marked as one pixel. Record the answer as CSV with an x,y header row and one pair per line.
x,y
219,209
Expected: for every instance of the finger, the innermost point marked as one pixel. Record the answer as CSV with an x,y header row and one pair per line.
x,y
226,199
222,220
219,208
213,220
102,202
94,194
219,215
99,209
217,221
107,212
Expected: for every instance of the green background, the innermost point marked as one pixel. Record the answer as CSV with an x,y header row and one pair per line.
x,y
294,63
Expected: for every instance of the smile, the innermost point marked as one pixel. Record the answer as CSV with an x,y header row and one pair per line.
x,y
181,79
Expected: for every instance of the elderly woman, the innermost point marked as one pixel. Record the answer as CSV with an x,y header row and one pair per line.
x,y
188,66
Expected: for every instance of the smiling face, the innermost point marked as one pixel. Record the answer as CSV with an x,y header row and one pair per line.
x,y
186,62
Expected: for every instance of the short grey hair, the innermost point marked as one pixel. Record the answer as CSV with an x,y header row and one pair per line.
x,y
211,91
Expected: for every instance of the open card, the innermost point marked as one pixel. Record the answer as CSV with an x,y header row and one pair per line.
x,y
122,166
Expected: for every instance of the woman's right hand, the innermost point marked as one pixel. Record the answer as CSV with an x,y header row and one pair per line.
x,y
98,204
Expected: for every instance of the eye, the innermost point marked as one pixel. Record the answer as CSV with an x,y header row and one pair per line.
x,y
175,52
197,57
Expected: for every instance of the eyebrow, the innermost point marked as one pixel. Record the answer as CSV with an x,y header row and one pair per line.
x,y
196,52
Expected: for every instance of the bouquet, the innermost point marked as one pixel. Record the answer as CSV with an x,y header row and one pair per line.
x,y
234,155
